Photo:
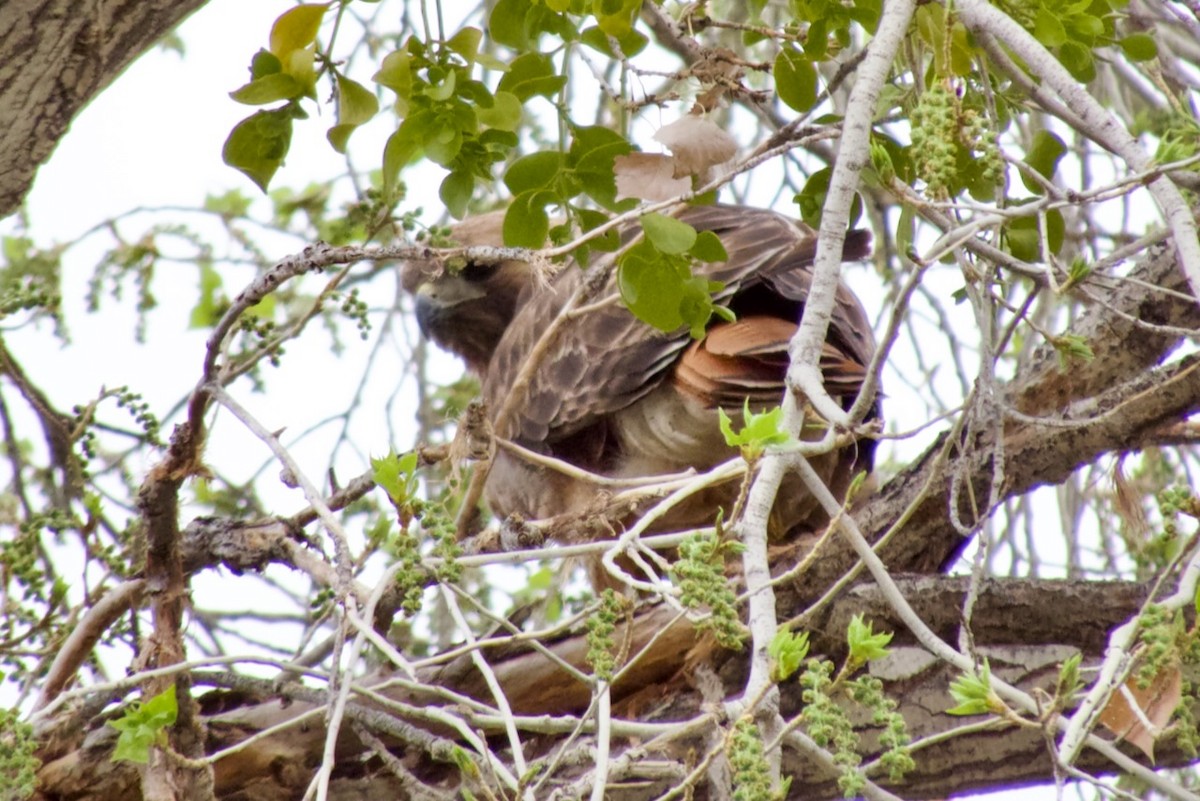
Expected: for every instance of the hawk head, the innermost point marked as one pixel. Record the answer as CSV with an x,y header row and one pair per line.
x,y
465,308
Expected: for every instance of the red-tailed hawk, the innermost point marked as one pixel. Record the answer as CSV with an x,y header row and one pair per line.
x,y
618,398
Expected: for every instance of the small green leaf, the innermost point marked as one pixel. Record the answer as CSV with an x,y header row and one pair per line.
x,y
651,286
466,43
1048,28
455,192
1139,47
1078,60
708,248
404,145
534,171
629,43
526,223
143,725
865,645
270,89
1022,237
759,431
396,474
443,89
356,105
974,693
296,28
1069,681
258,144
1043,155
396,73
787,652
264,63
504,114
1071,348
506,24
667,234
795,79
529,75
204,313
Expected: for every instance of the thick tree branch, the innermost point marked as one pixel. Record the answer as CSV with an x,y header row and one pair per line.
x,y
83,47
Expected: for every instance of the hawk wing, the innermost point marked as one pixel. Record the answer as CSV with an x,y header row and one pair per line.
x,y
605,360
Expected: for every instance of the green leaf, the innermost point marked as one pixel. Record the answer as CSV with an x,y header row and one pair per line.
x,y
396,73
529,75
466,43
396,474
504,114
591,156
759,431
811,199
535,171
630,43
270,89
787,652
230,205
795,79
1139,47
1078,60
1044,154
264,63
616,17
204,313
651,285
443,89
296,29
1071,348
974,693
526,223
696,304
1022,237
1048,28
142,725
667,234
506,24
708,248
455,192
404,145
356,105
866,645
258,144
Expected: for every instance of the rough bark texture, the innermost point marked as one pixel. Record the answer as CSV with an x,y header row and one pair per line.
x,y
1008,618
54,58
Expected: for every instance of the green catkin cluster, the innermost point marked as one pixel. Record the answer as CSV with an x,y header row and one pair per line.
x,y
602,649
700,575
940,126
410,578
934,138
18,765
140,411
27,296
355,308
977,137
264,331
828,725
896,758
751,774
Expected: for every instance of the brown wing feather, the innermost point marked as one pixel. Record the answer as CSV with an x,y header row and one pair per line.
x,y
606,360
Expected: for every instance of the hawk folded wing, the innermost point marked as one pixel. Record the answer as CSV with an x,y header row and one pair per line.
x,y
619,398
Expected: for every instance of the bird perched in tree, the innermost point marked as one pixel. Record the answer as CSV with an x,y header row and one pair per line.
x,y
619,398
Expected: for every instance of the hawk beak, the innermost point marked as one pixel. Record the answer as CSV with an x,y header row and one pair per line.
x,y
436,298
